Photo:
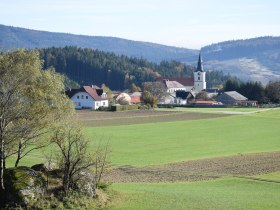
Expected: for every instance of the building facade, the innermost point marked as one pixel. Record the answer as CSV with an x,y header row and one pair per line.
x,y
88,97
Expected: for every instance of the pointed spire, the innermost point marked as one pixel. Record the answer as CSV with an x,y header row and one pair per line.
x,y
199,64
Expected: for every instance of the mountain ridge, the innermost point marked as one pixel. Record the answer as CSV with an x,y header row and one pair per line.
x,y
29,38
255,59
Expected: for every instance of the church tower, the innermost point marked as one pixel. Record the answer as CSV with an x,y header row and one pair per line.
x,y
199,76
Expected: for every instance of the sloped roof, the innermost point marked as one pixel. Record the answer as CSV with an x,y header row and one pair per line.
x,y
236,96
173,84
94,93
186,81
184,94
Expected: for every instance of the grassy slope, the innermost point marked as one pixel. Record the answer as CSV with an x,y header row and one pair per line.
x,y
159,143
271,176
229,193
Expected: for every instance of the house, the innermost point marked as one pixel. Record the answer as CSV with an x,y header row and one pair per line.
x,y
184,97
88,97
234,98
171,88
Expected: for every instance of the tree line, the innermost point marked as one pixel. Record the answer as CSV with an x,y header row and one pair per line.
x,y
88,66
255,90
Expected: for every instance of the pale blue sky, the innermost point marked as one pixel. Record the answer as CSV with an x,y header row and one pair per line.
x,y
183,23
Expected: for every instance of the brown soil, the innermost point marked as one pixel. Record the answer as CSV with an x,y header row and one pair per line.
x,y
240,165
96,118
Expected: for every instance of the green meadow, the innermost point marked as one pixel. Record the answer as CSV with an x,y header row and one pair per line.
x,y
166,142
227,193
170,142
214,110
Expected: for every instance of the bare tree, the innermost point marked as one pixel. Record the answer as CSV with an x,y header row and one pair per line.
x,y
101,161
73,155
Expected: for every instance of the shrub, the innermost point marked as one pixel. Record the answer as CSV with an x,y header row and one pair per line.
x,y
117,108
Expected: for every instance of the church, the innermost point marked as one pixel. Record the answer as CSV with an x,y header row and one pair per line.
x,y
180,90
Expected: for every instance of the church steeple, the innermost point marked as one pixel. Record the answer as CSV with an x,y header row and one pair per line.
x,y
199,76
199,64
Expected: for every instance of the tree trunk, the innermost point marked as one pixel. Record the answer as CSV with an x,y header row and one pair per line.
x,y
18,154
2,165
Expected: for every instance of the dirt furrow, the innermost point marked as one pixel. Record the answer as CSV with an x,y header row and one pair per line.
x,y
195,170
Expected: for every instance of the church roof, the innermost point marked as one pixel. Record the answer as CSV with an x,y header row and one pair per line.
x,y
173,84
185,81
199,64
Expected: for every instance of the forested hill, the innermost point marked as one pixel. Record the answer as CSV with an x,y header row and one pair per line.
x,y
256,59
14,37
87,66
250,59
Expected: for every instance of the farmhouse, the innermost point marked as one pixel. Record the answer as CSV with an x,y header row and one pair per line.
x,y
234,98
88,97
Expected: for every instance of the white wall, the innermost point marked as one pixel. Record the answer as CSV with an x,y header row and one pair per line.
x,y
84,100
199,81
173,90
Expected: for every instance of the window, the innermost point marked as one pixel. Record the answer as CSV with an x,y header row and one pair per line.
x,y
104,103
82,97
97,104
198,78
78,97
86,97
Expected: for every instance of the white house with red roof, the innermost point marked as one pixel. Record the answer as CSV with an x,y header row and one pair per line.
x,y
88,97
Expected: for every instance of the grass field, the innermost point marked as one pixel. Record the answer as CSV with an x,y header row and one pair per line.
x,y
166,142
229,193
143,140
214,110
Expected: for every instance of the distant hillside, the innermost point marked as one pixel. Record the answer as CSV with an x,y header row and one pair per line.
x,y
250,59
14,37
255,59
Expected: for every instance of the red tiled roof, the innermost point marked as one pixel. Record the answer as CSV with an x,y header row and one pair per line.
x,y
136,99
92,92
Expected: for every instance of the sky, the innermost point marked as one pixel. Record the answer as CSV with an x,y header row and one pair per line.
x,y
182,23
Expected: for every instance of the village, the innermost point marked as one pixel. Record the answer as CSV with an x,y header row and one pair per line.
x,y
180,92
140,105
